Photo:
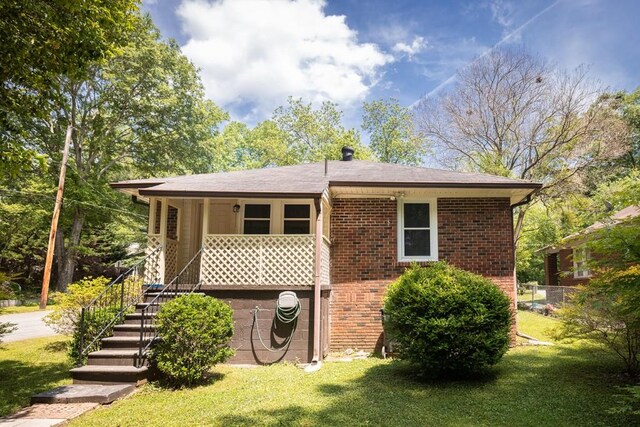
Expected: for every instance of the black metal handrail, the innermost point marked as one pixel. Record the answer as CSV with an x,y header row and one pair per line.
x,y
100,315
186,282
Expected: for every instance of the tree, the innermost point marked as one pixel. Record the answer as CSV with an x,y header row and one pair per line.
x,y
393,138
141,112
312,135
42,39
607,309
240,147
512,114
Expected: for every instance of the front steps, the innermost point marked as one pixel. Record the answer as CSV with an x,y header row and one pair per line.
x,y
116,361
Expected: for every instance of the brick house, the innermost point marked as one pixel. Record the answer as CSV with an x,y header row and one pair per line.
x,y
567,263
336,233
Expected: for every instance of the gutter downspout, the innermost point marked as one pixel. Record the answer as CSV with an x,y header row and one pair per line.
x,y
316,361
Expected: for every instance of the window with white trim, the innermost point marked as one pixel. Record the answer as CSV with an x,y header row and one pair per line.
x,y
297,219
417,230
257,219
580,261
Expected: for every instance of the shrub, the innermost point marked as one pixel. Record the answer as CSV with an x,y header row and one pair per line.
x,y
607,311
195,333
65,317
6,328
446,321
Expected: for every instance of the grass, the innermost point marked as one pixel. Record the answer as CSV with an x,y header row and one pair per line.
x,y
22,309
29,367
539,297
562,385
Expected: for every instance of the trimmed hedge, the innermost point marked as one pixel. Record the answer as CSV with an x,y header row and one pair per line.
x,y
446,321
195,333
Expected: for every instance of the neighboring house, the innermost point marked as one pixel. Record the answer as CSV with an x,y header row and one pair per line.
x,y
336,233
567,264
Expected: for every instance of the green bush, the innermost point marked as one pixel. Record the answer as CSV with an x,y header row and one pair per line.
x,y
446,321
66,315
195,333
6,328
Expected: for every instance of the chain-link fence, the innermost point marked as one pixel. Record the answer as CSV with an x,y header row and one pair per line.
x,y
543,299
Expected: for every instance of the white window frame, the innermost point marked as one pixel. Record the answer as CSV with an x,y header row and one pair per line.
x,y
433,230
310,218
256,202
581,256
276,221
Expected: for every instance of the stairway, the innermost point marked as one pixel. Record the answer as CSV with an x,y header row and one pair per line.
x,y
117,360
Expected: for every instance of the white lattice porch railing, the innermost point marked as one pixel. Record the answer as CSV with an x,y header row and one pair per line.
x,y
163,266
153,265
258,260
325,262
170,260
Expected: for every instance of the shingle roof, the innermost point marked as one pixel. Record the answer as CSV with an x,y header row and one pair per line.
x,y
306,180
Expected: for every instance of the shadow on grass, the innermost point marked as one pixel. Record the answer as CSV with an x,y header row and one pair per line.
x,y
158,380
551,386
19,381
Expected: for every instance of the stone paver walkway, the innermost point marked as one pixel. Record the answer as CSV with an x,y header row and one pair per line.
x,y
45,415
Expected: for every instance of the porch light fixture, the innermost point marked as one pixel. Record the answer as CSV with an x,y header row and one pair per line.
x,y
236,208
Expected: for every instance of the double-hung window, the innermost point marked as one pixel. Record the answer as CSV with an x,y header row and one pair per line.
x,y
417,230
580,260
257,219
297,219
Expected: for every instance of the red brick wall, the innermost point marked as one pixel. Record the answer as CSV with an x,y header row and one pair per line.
x,y
172,221
474,234
565,261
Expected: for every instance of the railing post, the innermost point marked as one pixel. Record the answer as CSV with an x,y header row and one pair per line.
x,y
124,280
81,342
141,347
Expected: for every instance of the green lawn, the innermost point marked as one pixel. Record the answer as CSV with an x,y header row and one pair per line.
x,y
528,296
28,367
563,385
22,309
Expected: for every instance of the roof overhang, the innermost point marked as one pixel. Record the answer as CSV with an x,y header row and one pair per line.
x,y
515,195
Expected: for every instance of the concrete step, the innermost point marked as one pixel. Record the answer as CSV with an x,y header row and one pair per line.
x,y
115,357
122,342
149,296
135,318
100,374
131,330
142,305
84,393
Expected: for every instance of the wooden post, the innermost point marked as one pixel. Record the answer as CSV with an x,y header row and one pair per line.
x,y
205,231
317,295
46,278
164,210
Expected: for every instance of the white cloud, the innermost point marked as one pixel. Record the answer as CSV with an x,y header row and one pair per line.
x,y
417,45
257,53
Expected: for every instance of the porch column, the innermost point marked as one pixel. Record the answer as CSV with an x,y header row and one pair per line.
x,y
205,231
152,216
164,210
317,356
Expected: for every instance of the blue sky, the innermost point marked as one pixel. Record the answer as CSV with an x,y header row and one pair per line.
x,y
253,54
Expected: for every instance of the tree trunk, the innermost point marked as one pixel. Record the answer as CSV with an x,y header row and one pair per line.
x,y
518,227
67,260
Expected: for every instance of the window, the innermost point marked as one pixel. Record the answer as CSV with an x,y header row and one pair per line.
x,y
580,260
257,219
417,231
297,219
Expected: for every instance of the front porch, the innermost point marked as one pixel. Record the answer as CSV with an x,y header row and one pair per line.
x,y
243,243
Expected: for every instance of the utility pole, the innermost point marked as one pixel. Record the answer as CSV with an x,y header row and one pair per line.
x,y
54,221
